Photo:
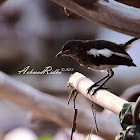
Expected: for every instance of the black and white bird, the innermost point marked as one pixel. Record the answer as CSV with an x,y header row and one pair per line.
x,y
99,55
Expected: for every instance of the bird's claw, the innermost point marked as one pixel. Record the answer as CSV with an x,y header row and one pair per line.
x,y
95,90
98,88
90,88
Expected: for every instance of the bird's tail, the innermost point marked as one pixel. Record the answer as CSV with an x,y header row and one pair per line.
x,y
129,44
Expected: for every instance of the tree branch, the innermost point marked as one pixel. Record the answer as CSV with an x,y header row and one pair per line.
x,y
54,109
112,14
102,97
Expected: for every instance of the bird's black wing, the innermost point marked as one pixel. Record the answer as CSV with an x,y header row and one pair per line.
x,y
103,44
112,60
106,53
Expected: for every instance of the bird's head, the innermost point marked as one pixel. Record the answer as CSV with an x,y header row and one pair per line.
x,y
70,48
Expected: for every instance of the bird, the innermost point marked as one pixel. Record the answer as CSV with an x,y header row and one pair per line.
x,y
99,55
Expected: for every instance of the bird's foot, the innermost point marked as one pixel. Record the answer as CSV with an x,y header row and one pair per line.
x,y
96,89
91,87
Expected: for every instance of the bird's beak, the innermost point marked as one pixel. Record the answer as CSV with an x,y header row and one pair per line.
x,y
59,54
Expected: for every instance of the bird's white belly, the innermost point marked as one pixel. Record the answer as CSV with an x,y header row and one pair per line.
x,y
102,67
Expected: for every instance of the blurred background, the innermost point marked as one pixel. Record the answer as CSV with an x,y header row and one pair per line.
x,y
32,32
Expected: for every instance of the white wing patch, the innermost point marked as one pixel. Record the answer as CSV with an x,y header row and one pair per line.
x,y
106,53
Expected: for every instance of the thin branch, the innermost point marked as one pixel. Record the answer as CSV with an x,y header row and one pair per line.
x,y
103,97
94,116
73,94
74,122
112,14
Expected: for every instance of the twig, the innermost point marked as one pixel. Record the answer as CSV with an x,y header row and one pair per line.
x,y
94,115
73,93
74,123
90,132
